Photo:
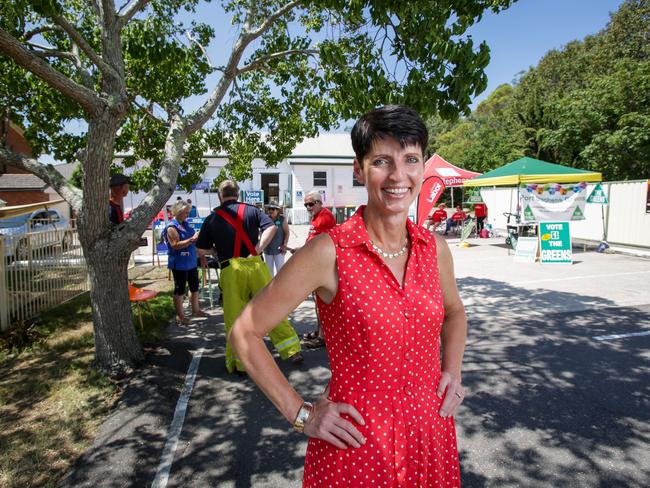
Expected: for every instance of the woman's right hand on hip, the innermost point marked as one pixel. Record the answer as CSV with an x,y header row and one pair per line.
x,y
326,423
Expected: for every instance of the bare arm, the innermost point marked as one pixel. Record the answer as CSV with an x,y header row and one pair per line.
x,y
314,268
175,241
454,332
265,239
285,227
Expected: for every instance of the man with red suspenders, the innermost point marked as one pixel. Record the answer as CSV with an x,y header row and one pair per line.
x,y
233,229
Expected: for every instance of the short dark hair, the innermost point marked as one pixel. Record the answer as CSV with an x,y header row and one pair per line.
x,y
228,188
119,179
397,121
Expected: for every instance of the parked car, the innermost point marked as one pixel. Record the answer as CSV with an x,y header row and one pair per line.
x,y
39,229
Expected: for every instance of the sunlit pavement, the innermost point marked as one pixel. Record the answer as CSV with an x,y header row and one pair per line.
x,y
550,402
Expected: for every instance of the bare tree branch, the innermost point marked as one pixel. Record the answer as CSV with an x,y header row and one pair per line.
x,y
149,112
47,173
53,53
132,9
86,77
39,30
78,39
270,20
265,59
192,39
197,119
88,99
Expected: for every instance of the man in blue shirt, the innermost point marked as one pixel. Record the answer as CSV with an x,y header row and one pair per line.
x,y
233,231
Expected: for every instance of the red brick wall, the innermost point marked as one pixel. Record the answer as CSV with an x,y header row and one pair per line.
x,y
16,142
23,197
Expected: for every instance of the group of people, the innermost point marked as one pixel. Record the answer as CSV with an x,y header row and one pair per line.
x,y
458,218
390,314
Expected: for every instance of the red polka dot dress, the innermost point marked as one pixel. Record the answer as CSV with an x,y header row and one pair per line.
x,y
383,343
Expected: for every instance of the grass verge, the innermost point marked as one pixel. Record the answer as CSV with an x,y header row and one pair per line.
x,y
52,401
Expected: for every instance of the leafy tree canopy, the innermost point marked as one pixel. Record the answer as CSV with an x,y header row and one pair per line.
x,y
586,104
318,64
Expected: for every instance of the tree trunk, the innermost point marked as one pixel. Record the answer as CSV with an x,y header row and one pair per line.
x,y
107,250
117,348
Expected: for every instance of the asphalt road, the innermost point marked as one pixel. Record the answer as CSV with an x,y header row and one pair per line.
x,y
548,403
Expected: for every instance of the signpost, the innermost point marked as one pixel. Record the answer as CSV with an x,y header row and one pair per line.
x,y
599,197
253,197
555,243
526,251
467,229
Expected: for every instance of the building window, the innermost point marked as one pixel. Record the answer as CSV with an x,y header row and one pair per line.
x,y
355,182
320,178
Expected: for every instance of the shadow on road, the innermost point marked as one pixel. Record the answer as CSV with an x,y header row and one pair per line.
x,y
546,406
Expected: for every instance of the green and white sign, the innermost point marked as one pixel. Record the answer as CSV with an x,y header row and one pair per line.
x,y
473,196
555,243
598,196
467,229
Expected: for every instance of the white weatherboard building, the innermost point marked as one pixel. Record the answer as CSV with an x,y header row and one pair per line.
x,y
324,163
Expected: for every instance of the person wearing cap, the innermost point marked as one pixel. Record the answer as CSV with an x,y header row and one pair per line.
x,y
274,253
438,217
119,188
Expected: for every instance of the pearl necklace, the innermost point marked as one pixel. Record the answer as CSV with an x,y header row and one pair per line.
x,y
390,255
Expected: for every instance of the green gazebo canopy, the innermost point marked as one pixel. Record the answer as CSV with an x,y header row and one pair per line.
x,y
529,170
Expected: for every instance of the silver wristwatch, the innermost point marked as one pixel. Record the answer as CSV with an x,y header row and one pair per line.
x,y
303,414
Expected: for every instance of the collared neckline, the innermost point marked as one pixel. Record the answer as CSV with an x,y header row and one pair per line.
x,y
354,232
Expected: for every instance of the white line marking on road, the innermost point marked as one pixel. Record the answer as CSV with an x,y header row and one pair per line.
x,y
167,458
583,277
621,336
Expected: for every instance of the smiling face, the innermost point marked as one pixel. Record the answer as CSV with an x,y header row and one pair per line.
x,y
392,174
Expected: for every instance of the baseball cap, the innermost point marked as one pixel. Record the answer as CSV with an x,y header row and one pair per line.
x,y
119,179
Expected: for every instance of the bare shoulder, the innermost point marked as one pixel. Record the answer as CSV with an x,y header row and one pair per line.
x,y
319,251
442,248
315,264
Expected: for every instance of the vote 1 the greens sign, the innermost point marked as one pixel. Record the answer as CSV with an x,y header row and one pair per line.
x,y
555,243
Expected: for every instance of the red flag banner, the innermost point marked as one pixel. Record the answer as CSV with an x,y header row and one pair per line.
x,y
431,190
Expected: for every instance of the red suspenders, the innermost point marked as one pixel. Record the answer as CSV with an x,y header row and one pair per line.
x,y
240,234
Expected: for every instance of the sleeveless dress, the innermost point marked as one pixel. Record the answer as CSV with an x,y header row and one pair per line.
x,y
383,343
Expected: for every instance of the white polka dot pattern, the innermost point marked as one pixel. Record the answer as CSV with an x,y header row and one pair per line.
x,y
383,343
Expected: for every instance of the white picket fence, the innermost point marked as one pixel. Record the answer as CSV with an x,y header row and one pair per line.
x,y
38,271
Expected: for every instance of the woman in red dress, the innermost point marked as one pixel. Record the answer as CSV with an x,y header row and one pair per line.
x,y
394,326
